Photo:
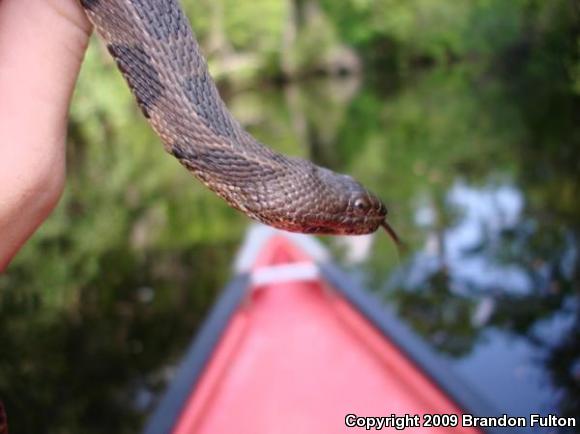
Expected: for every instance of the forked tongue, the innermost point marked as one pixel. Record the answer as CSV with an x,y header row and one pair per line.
x,y
400,245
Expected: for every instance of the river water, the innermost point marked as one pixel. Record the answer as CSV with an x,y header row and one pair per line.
x,y
481,176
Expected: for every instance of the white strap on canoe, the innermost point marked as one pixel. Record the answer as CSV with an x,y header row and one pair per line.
x,y
297,271
257,237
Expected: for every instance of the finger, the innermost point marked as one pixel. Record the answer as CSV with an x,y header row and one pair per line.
x,y
42,43
41,48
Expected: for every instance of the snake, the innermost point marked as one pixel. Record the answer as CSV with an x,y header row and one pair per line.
x,y
155,49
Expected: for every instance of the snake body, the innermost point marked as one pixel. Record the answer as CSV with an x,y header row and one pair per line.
x,y
155,49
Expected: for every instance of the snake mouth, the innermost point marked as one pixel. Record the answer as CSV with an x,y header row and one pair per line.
x,y
392,233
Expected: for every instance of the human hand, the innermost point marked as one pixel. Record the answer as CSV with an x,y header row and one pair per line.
x,y
42,44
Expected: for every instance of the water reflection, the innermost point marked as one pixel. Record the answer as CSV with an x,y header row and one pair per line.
x,y
482,296
484,214
483,186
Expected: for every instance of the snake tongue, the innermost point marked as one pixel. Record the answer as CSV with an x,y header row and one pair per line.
x,y
385,224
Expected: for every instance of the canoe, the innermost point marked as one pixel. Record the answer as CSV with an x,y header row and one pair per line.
x,y
292,346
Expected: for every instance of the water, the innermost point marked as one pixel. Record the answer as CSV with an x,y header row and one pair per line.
x,y
481,177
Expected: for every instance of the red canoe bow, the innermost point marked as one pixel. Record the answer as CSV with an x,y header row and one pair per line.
x,y
289,350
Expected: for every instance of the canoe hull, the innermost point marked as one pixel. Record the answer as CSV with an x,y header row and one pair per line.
x,y
300,354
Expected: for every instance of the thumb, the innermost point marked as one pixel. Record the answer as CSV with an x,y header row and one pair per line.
x,y
42,43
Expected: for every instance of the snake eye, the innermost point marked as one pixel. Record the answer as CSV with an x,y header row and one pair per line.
x,y
362,204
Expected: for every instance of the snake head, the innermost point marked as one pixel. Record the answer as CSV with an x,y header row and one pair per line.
x,y
337,204
350,207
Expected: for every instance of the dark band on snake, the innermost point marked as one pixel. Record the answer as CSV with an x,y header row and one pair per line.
x,y
89,4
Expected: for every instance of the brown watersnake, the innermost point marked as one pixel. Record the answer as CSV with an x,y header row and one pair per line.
x,y
156,51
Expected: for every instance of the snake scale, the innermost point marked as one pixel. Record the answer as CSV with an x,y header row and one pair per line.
x,y
156,51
